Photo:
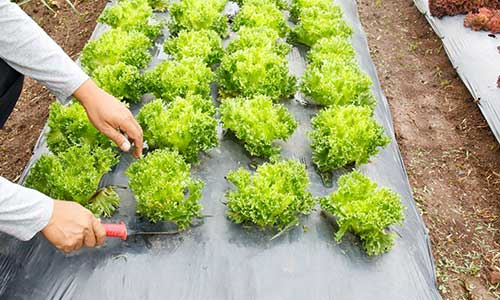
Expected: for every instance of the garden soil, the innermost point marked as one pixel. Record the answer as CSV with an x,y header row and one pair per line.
x,y
221,260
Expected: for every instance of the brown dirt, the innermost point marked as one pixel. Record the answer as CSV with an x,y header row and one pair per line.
x,y
21,131
452,158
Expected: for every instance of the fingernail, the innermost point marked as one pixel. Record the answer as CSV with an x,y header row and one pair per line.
x,y
125,146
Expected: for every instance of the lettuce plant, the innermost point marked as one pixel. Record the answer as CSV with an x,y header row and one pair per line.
x,y
316,23
261,13
74,175
164,189
337,83
365,210
116,46
259,37
274,197
185,125
132,15
174,78
123,81
344,135
252,71
298,5
281,4
197,15
258,123
204,44
69,126
334,48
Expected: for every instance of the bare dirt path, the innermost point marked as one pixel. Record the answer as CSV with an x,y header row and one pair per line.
x,y
71,32
453,160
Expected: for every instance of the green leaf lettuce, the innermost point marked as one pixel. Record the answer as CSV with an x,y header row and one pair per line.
x,y
365,210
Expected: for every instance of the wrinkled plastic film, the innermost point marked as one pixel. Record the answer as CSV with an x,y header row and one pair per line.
x,y
221,260
475,57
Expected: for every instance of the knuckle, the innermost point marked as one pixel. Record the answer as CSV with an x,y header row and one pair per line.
x,y
90,218
109,131
86,231
125,118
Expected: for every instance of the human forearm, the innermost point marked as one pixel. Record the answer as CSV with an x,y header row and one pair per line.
x,y
29,50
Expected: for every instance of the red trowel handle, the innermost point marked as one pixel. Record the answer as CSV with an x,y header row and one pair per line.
x,y
116,230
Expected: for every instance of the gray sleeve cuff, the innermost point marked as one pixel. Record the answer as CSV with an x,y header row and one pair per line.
x,y
45,208
65,91
23,211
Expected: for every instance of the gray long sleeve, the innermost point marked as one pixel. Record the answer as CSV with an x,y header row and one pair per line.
x,y
23,211
29,50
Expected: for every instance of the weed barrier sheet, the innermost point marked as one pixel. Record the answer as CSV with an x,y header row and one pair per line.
x,y
475,56
221,260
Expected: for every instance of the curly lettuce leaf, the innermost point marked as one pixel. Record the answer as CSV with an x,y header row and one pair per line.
x,y
164,188
116,46
132,15
74,175
261,13
298,5
69,126
365,210
334,48
316,23
253,71
104,202
198,15
281,4
178,78
203,44
274,197
258,37
120,80
185,125
337,83
258,123
344,135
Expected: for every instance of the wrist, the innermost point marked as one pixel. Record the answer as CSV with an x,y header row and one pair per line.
x,y
87,93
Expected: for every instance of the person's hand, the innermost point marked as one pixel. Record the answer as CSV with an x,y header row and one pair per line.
x,y
110,117
73,226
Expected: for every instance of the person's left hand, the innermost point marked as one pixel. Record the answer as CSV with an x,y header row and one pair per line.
x,y
111,117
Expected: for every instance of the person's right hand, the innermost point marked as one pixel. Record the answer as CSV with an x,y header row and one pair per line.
x,y
110,116
73,226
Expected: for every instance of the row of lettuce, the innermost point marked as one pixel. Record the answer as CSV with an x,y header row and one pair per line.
x,y
253,80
